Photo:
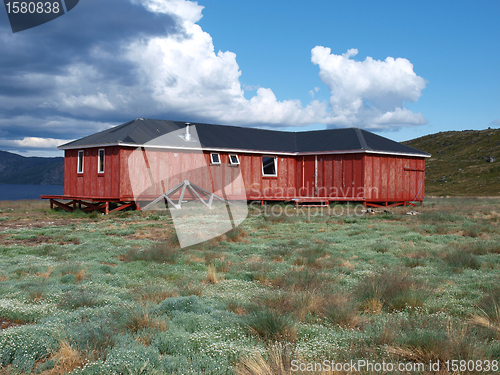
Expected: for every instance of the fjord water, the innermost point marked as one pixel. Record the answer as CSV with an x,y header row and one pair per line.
x,y
18,192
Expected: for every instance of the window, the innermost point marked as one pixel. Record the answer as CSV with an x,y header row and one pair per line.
x,y
215,158
100,161
269,166
80,162
233,159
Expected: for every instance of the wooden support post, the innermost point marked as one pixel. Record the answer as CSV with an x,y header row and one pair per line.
x,y
123,206
66,207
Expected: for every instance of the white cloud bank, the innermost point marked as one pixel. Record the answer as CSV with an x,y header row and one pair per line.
x,y
181,75
187,75
34,143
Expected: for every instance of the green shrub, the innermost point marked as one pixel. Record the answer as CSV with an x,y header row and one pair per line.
x,y
130,357
68,278
25,345
191,304
91,330
381,246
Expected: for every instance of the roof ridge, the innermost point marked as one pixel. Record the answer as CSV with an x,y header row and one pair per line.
x,y
361,139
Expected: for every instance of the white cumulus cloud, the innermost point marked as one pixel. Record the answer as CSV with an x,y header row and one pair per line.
x,y
178,74
369,93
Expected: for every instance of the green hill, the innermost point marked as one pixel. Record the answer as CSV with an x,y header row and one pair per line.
x,y
459,164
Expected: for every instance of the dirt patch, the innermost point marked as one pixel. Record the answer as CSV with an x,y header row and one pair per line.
x,y
37,223
153,233
6,323
12,240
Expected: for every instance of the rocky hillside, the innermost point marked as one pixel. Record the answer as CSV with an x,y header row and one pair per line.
x,y
463,163
17,169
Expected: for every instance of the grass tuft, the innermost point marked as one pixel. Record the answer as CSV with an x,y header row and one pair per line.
x,y
211,275
277,361
461,258
342,311
272,326
66,359
391,289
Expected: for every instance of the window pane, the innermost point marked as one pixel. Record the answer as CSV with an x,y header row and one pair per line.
x,y
101,161
215,159
80,161
268,165
234,159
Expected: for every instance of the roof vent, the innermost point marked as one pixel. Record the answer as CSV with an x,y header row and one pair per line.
x,y
187,135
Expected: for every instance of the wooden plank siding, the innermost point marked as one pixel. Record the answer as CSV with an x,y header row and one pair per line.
x,y
387,180
357,176
90,183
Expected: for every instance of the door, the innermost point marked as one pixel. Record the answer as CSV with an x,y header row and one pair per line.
x,y
309,186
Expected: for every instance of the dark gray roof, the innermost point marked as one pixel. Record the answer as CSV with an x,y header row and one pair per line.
x,y
146,131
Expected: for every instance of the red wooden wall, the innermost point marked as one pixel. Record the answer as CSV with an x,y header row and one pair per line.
x,y
172,167
394,178
129,173
90,183
338,176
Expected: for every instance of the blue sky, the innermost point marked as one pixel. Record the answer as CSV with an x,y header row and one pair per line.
x,y
398,68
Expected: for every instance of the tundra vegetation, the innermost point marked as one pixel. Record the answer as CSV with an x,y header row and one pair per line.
x,y
94,294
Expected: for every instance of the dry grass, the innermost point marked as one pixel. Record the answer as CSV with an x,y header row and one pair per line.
x,y
486,322
211,275
372,306
154,295
341,310
36,296
396,289
80,275
66,358
278,362
141,319
45,274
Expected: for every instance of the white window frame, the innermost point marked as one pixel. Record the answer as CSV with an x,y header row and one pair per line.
x,y
275,166
99,160
237,159
79,168
212,158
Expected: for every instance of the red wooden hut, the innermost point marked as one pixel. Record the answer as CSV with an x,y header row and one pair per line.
x,y
314,166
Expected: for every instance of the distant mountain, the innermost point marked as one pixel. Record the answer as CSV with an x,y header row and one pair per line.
x,y
17,169
463,163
